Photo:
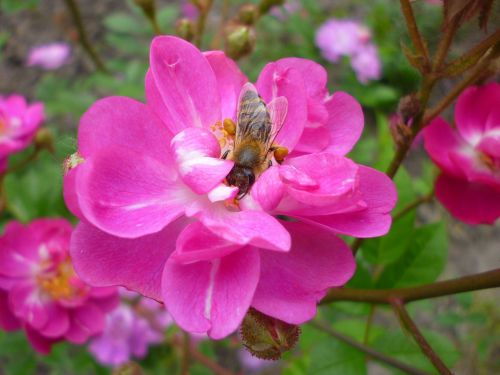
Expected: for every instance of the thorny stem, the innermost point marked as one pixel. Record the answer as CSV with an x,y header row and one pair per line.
x,y
186,354
484,280
368,350
414,33
412,205
410,325
82,33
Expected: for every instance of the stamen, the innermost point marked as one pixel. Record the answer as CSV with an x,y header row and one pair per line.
x,y
229,126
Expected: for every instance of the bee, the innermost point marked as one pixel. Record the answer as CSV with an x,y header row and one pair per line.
x,y
256,129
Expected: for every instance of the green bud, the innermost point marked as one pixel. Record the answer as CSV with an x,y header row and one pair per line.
x,y
266,337
240,40
248,14
185,28
44,139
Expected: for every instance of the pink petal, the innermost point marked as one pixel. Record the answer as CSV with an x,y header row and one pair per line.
x,y
40,343
470,202
18,250
255,228
439,140
27,305
345,123
292,284
86,321
212,296
8,321
379,194
185,82
313,140
197,153
268,189
128,194
103,260
473,108
275,81
58,322
196,243
230,80
315,76
125,123
490,142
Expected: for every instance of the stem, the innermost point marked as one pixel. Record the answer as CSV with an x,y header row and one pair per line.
x,y
484,280
414,33
23,163
367,350
444,45
186,354
201,22
410,325
82,33
369,322
412,205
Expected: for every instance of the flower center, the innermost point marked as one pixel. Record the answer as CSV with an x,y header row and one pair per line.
x,y
60,281
490,162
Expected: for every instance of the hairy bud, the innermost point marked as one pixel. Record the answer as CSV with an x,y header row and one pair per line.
x,y
408,107
248,14
266,337
44,139
185,28
240,40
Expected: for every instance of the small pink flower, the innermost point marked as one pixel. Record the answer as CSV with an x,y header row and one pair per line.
x,y
282,12
130,329
49,56
337,38
469,156
148,183
189,10
18,124
40,291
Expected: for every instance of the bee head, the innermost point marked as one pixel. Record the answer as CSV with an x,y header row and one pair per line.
x,y
241,177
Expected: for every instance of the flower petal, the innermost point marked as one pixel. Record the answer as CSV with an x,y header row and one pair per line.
x,y
292,284
275,81
40,343
86,321
185,82
128,194
473,203
104,260
197,153
268,189
8,321
211,296
230,80
58,323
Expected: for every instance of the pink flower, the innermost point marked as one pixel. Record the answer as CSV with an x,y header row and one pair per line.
x,y
49,56
337,38
188,9
18,124
148,183
40,291
130,329
469,156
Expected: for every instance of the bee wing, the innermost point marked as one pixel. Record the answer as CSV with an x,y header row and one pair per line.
x,y
278,109
253,118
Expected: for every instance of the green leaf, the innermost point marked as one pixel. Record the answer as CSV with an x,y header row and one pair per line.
x,y
331,356
11,6
401,346
423,261
124,23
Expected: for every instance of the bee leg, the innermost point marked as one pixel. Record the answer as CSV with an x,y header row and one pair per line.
x,y
269,163
224,155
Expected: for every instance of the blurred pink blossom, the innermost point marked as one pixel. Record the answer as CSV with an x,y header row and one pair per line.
x,y
188,9
130,329
18,124
158,215
282,12
469,156
49,56
40,291
337,38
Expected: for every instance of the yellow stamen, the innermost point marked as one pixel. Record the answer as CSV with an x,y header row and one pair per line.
x,y
229,126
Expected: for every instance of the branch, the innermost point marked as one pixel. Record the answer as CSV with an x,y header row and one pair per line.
x,y
201,22
186,354
416,38
485,280
410,325
367,350
412,205
82,33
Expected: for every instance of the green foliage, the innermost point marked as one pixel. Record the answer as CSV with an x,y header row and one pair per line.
x,y
12,6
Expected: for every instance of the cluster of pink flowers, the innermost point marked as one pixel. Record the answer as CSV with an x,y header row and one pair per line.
x,y
130,329
469,156
49,56
157,216
337,38
18,125
39,290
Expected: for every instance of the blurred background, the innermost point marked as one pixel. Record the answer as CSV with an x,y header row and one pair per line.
x,y
465,329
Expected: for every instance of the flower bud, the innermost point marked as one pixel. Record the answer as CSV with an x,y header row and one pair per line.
x,y
265,5
266,337
185,29
248,14
240,40
408,107
44,139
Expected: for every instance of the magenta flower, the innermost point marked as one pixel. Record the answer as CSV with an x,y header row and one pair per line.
x,y
337,38
18,124
40,291
149,183
129,331
469,156
49,56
